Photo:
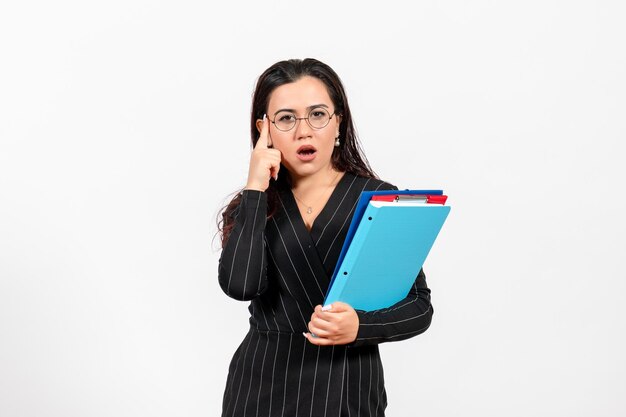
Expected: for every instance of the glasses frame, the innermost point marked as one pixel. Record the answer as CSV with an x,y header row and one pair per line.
x,y
304,118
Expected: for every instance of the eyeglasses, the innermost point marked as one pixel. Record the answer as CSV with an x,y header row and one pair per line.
x,y
318,118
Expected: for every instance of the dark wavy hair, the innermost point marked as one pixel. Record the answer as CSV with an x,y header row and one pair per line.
x,y
348,157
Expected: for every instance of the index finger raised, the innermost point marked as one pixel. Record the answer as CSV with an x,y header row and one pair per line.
x,y
264,139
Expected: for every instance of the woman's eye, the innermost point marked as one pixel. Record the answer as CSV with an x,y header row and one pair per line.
x,y
286,118
316,114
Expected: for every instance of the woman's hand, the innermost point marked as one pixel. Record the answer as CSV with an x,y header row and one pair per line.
x,y
338,325
264,161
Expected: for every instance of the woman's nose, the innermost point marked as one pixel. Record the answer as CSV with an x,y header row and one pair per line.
x,y
303,130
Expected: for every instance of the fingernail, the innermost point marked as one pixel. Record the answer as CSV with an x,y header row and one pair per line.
x,y
264,116
327,307
304,334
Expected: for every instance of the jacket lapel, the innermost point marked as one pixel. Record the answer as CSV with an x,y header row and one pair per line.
x,y
331,226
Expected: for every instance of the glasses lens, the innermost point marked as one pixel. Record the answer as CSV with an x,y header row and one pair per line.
x,y
285,120
319,118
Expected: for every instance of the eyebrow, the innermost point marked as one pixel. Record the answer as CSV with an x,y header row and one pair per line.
x,y
308,108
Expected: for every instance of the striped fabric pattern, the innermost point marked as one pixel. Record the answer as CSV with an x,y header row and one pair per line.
x,y
284,270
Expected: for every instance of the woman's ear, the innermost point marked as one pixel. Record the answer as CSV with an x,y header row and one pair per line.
x,y
259,125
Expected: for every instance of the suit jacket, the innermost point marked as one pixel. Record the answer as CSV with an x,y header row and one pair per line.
x,y
285,270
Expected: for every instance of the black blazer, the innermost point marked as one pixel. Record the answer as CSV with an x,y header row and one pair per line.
x,y
285,271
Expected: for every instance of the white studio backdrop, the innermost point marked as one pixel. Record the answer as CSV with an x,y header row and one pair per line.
x,y
124,129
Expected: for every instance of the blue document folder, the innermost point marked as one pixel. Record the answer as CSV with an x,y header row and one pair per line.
x,y
384,250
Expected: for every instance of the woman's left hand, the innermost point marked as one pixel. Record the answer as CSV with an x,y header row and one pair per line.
x,y
337,325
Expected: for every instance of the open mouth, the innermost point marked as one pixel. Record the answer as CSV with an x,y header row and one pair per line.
x,y
306,153
306,150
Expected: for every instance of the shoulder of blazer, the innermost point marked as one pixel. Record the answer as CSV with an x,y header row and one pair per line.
x,y
371,184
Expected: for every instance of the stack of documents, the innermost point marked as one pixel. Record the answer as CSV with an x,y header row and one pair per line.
x,y
387,243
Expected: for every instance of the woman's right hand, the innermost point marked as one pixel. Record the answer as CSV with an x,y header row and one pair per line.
x,y
264,161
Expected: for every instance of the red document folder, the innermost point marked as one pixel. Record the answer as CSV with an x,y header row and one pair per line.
x,y
430,199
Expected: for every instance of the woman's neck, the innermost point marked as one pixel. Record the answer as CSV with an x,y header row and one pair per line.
x,y
321,179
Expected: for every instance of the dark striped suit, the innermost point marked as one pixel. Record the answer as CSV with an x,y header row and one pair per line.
x,y
285,270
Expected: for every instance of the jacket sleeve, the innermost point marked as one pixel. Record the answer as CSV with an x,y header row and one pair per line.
x,y
243,262
407,318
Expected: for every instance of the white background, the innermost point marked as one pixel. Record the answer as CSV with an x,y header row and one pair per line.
x,y
124,129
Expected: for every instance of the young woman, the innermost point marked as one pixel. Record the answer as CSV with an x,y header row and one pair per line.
x,y
281,238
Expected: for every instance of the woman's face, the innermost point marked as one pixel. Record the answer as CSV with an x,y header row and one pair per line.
x,y
305,150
